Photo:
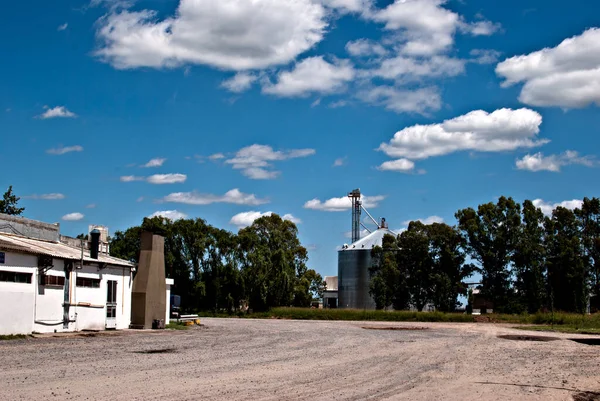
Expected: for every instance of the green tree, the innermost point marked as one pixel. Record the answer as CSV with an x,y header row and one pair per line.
x,y
388,284
530,260
449,268
589,220
567,273
308,287
415,258
8,203
492,233
273,260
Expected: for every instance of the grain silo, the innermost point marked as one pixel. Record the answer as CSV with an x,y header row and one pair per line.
x,y
355,259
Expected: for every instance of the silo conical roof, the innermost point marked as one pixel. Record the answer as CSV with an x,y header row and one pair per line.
x,y
373,239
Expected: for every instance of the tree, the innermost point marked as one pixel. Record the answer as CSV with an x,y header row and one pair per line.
x,y
273,260
449,268
308,287
388,284
567,274
8,203
530,260
492,233
589,221
415,258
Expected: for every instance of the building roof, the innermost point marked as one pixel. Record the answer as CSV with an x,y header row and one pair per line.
x,y
55,249
332,283
370,241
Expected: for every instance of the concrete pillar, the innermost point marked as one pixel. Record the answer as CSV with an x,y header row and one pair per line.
x,y
148,297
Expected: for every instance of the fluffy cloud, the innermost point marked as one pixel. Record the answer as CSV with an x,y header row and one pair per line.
x,y
567,75
157,179
312,75
419,101
548,207
339,162
400,165
342,204
240,82
481,28
255,161
428,220
227,34
65,149
365,48
52,196
216,156
408,69
484,56
62,27
348,6
158,162
246,219
169,214
539,162
233,196
501,130
73,217
56,112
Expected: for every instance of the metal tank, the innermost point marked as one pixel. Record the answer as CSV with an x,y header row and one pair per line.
x,y
354,261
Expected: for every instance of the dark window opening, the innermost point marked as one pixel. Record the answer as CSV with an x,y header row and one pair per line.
x,y
88,282
14,277
53,281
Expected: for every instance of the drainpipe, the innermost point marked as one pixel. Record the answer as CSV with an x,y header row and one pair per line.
x,y
67,294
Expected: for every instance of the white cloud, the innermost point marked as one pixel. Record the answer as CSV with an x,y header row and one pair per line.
x,y
567,75
62,27
481,28
339,162
337,104
157,179
501,130
256,160
169,214
131,178
342,204
539,162
419,101
73,217
365,48
91,206
158,162
246,219
64,149
233,196
216,156
400,165
427,221
56,112
227,34
548,207
408,68
312,75
52,196
348,6
484,56
240,82
167,179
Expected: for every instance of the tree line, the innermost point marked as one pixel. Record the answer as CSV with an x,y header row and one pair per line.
x,y
528,262
263,266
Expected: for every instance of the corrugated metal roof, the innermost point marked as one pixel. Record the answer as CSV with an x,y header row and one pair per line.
x,y
55,249
371,240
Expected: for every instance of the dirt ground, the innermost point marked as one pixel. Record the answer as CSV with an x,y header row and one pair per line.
x,y
234,359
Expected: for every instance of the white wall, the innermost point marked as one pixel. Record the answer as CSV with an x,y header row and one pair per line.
x,y
16,299
169,283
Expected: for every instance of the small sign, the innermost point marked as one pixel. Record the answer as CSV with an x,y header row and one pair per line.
x,y
2,257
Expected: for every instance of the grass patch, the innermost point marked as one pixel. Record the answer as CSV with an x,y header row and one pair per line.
x,y
13,337
174,325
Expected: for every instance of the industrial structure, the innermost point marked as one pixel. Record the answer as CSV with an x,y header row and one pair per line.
x,y
330,295
54,283
354,260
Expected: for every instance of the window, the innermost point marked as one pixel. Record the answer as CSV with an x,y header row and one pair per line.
x,y
88,282
14,277
54,281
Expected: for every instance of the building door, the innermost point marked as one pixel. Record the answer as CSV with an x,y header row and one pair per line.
x,y
111,304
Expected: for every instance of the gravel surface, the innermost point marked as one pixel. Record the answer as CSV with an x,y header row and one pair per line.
x,y
230,359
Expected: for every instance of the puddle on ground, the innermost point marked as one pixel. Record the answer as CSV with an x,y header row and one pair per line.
x,y
586,396
586,341
156,351
518,337
395,328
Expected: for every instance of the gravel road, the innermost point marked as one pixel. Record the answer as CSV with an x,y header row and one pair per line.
x,y
232,359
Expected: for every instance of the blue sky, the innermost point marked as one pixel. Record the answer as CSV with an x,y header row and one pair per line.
x,y
240,106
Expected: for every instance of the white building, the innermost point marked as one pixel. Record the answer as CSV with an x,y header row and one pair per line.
x,y
49,285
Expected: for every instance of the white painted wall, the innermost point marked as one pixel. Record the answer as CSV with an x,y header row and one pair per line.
x,y
169,283
16,299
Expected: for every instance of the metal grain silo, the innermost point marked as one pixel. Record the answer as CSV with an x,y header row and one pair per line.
x,y
354,261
